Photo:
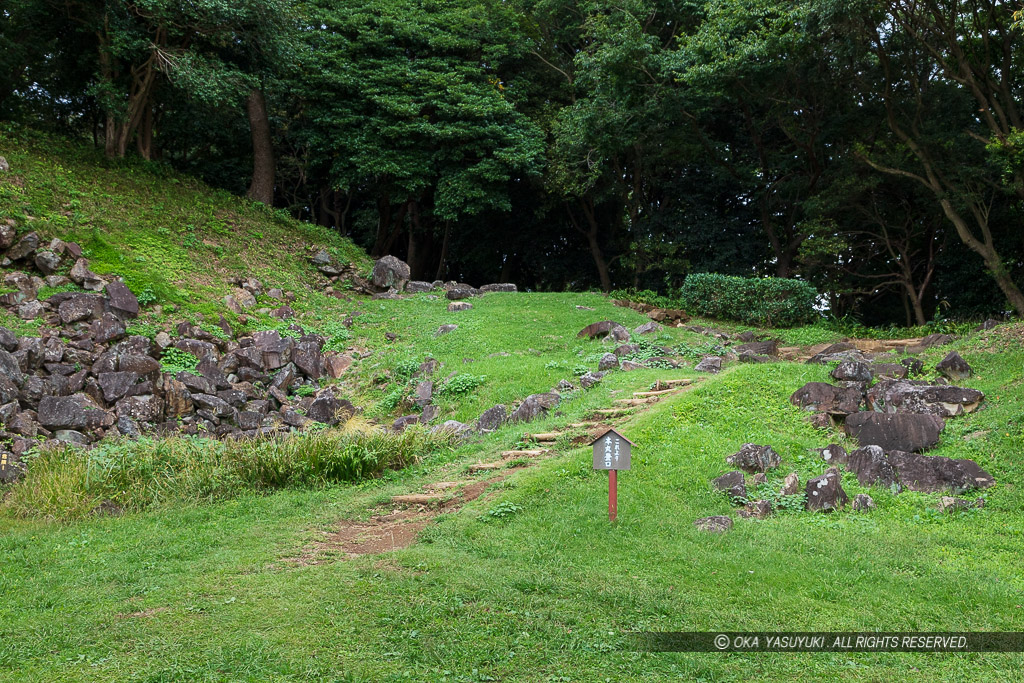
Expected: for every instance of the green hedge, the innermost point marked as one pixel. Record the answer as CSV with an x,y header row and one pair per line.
x,y
766,302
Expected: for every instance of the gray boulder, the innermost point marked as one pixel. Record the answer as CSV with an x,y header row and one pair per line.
x,y
717,524
590,379
899,431
492,419
507,287
534,406
954,368
822,397
122,302
907,396
712,364
753,458
609,361
604,328
826,492
871,466
72,412
389,272
852,372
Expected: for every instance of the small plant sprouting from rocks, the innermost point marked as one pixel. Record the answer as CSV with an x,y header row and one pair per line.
x,y
175,360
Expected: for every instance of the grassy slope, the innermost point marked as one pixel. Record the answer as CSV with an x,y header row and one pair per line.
x,y
203,592
160,231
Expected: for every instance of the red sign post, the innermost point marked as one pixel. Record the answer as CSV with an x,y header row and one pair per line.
x,y
612,452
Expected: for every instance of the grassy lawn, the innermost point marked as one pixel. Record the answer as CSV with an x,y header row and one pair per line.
x,y
528,582
546,592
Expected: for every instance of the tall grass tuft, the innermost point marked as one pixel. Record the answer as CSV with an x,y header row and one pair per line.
x,y
66,482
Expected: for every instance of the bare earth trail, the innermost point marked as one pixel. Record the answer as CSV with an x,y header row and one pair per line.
x,y
398,524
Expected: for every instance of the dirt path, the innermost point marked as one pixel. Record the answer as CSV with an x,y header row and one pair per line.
x,y
409,513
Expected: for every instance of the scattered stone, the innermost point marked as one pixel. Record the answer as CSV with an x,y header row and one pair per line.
x,y
492,419
122,302
951,504
862,502
791,485
506,287
390,272
445,329
458,292
954,368
900,431
534,406
821,421
888,371
456,306
590,379
914,366
760,478
30,310
763,348
822,397
85,278
648,328
609,361
756,509
733,484
929,474
605,328
419,287
244,298
826,492
834,454
628,365
908,396
871,466
852,372
933,340
24,247
826,354
753,458
987,325
329,409
712,364
716,525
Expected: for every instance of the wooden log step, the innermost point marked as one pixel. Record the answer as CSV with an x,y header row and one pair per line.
x,y
444,485
533,453
579,425
543,436
611,411
417,499
486,466
647,394
663,384
634,401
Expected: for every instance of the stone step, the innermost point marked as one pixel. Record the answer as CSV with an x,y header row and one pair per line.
x,y
417,499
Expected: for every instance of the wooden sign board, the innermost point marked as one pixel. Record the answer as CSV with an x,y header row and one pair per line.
x,y
612,451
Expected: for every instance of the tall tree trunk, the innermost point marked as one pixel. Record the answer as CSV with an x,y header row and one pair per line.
x,y
595,247
262,187
444,250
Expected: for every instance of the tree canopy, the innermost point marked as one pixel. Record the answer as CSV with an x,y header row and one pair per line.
x,y
870,148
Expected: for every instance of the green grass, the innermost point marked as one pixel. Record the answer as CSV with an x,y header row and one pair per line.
x,y
531,582
172,239
527,583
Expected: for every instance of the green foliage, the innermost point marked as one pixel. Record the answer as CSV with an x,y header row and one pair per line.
x,y
67,482
146,297
461,384
404,369
768,302
646,296
175,360
503,510
305,390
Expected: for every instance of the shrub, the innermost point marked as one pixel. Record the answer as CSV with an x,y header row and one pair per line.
x,y
766,302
